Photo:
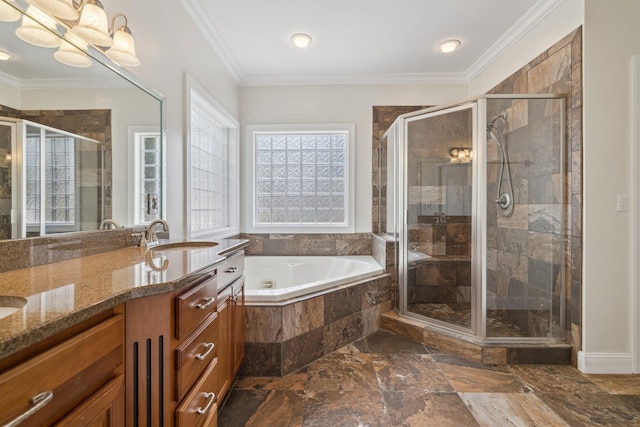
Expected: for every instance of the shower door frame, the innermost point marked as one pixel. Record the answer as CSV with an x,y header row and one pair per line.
x,y
403,196
478,331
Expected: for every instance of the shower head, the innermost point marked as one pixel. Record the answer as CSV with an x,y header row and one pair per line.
x,y
491,124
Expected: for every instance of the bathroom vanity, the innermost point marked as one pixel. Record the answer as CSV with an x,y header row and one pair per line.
x,y
127,337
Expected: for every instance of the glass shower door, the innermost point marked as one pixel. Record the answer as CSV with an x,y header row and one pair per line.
x,y
437,236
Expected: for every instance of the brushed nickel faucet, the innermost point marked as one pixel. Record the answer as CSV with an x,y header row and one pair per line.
x,y
151,237
109,223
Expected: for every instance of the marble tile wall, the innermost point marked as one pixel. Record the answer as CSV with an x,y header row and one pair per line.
x,y
281,339
533,247
309,244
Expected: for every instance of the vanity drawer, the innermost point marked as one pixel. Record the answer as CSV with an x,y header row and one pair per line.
x,y
194,355
231,269
200,407
194,306
63,376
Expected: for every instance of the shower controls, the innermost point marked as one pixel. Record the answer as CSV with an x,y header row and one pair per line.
x,y
504,202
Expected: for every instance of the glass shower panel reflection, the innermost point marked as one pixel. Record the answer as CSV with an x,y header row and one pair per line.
x,y
524,218
439,216
6,190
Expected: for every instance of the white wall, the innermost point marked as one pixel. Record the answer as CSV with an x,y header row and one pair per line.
x,y
336,104
611,37
561,21
168,45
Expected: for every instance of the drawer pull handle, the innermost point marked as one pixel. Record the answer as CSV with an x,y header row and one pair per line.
x,y
212,397
207,303
231,270
234,298
38,401
209,346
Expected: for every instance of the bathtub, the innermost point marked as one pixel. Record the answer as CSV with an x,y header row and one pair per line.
x,y
279,278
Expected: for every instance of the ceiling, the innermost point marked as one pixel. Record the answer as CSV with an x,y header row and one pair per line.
x,y
362,41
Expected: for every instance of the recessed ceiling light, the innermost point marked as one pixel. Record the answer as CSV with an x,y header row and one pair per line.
x,y
5,56
448,46
301,40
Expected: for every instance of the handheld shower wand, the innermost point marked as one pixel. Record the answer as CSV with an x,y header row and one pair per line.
x,y
504,200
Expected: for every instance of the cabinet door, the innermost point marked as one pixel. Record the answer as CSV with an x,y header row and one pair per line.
x,y
238,324
225,351
104,409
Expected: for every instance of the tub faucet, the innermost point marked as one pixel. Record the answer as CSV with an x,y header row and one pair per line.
x,y
151,237
109,223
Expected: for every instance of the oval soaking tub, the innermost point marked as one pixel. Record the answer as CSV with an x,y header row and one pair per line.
x,y
278,278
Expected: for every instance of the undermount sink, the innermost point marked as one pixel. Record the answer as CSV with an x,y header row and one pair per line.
x,y
183,245
9,305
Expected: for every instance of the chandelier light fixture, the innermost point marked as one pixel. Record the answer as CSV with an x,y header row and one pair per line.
x,y
8,13
86,23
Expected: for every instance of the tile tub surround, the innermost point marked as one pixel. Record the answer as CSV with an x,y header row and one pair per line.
x,y
64,293
309,244
283,338
388,380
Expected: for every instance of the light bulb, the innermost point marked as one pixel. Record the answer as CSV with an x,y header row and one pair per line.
x,y
301,40
448,46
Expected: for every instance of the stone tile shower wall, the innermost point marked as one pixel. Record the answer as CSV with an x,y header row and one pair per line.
x,y
524,250
557,70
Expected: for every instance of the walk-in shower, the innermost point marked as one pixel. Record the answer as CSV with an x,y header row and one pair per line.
x,y
50,180
475,200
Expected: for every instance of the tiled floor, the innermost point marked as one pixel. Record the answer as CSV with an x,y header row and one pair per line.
x,y
388,380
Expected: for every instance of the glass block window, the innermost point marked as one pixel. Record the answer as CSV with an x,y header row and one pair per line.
x,y
301,178
149,188
59,177
208,169
213,202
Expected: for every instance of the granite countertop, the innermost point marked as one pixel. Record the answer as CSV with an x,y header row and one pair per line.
x,y
62,294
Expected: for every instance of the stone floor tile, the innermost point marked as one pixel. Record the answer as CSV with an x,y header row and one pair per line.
x,y
617,384
345,409
511,409
409,372
594,409
467,376
388,342
554,379
411,409
338,372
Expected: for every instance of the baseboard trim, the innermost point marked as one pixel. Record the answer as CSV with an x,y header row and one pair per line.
x,y
605,363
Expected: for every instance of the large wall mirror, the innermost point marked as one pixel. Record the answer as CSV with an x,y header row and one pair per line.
x,y
77,144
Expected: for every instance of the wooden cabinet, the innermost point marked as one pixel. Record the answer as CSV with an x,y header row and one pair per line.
x,y
104,409
73,378
237,325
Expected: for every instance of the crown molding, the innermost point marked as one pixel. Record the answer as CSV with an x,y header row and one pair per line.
x,y
212,36
518,30
7,80
523,26
354,79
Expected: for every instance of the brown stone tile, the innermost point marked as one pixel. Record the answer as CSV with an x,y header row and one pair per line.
x,y
341,372
515,409
343,331
390,321
343,302
301,350
302,317
468,376
554,379
409,372
388,342
261,359
295,381
452,345
593,409
261,408
413,409
617,384
264,324
345,408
